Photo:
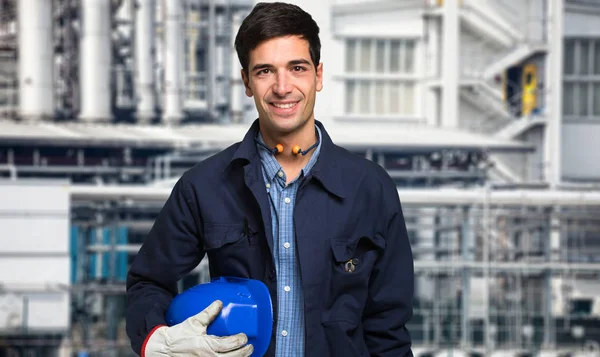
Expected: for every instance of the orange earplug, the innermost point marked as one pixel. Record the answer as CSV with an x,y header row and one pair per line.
x,y
296,150
279,148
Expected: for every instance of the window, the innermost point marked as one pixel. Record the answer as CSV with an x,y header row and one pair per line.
x,y
581,90
379,77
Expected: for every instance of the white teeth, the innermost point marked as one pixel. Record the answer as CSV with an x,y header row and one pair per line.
x,y
284,106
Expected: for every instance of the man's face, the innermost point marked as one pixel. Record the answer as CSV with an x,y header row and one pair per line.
x,y
283,81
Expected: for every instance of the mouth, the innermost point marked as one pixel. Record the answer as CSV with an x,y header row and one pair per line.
x,y
284,108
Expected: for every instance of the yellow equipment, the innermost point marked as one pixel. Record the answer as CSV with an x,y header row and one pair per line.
x,y
529,82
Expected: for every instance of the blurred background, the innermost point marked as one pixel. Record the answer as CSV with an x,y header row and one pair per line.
x,y
486,113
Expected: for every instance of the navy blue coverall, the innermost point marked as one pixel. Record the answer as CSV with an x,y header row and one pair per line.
x,y
347,208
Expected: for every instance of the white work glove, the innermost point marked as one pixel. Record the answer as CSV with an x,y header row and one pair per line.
x,y
189,338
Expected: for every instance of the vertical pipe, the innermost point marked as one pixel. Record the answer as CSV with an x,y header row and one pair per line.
x,y
433,56
112,231
518,329
237,85
95,64
173,103
193,65
450,64
36,60
426,284
467,241
486,271
439,279
144,60
554,70
551,231
212,54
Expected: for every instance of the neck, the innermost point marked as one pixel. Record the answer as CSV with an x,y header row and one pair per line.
x,y
305,138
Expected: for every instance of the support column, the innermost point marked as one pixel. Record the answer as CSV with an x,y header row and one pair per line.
x,y
144,61
173,60
36,60
95,61
450,65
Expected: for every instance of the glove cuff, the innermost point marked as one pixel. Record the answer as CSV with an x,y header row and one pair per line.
x,y
155,341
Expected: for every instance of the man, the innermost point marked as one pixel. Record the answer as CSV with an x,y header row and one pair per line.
x,y
321,227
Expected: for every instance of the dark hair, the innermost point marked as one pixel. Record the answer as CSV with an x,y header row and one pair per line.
x,y
277,19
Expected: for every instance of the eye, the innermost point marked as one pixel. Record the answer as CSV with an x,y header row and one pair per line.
x,y
263,71
299,69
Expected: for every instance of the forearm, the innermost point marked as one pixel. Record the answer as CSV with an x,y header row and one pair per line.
x,y
170,251
146,307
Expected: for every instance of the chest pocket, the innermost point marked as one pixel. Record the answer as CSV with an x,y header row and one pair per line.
x,y
357,255
353,261
234,250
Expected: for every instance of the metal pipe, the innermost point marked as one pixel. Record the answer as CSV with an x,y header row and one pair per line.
x,y
466,249
144,60
554,69
95,65
36,60
407,196
102,248
450,64
173,87
212,58
237,85
486,270
494,267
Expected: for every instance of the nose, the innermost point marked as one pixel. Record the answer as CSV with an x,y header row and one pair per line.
x,y
282,85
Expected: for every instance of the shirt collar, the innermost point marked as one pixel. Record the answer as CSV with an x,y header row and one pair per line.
x,y
272,166
328,168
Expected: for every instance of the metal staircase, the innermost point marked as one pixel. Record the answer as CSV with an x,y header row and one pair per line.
x,y
499,36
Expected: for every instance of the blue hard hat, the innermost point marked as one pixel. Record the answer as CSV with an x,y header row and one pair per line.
x,y
247,308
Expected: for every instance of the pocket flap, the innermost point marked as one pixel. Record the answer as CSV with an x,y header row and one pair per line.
x,y
345,249
217,236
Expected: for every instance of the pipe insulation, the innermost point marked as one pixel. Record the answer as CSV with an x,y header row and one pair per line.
x,y
35,60
173,61
144,60
95,61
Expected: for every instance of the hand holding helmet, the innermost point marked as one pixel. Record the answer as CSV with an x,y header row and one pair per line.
x,y
190,338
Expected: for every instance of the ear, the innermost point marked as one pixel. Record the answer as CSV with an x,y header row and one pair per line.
x,y
245,79
319,74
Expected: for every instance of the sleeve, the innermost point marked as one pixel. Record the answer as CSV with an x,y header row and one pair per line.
x,y
389,305
171,250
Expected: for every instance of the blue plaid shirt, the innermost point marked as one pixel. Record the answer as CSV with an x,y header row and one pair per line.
x,y
290,298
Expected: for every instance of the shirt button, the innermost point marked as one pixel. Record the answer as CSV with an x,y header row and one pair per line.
x,y
286,245
280,174
268,185
284,333
287,288
287,200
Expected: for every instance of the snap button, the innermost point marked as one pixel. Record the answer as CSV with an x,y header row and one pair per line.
x,y
349,266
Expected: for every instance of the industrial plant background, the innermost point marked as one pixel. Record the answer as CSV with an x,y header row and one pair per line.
x,y
486,113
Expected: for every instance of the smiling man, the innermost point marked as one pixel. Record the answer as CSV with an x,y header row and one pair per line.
x,y
321,227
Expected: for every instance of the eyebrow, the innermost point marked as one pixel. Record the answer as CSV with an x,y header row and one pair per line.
x,y
290,63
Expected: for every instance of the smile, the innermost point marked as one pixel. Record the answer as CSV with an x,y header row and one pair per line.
x,y
284,105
